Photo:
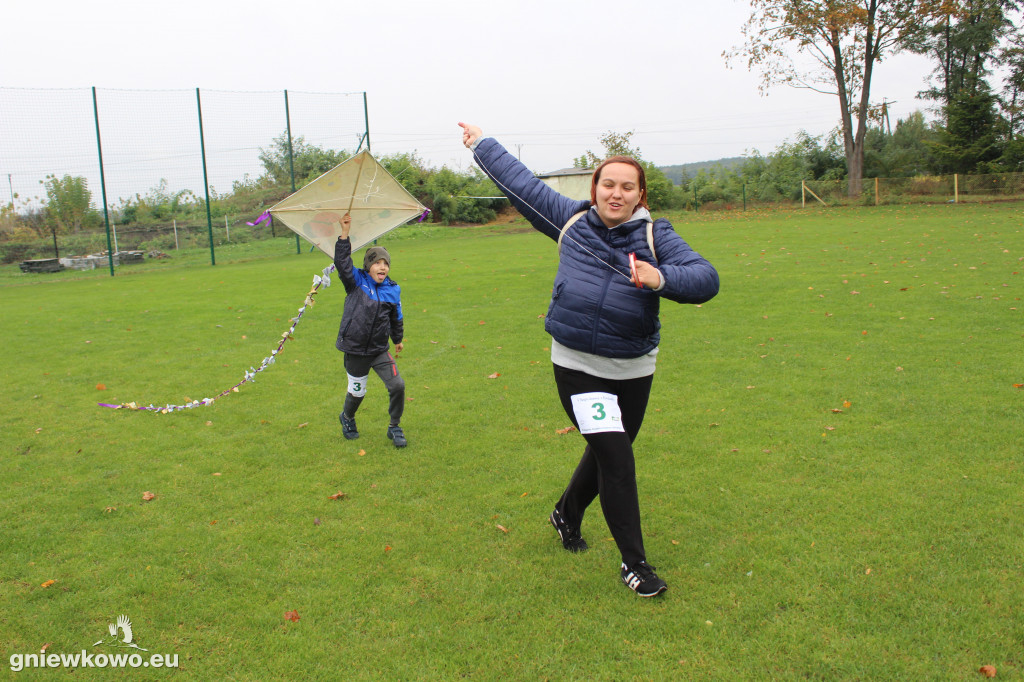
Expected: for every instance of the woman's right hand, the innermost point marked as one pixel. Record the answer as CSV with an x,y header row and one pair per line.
x,y
470,134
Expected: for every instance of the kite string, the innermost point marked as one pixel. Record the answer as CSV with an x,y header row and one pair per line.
x,y
565,235
250,376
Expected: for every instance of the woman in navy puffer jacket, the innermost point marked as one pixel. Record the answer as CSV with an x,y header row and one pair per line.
x,y
603,319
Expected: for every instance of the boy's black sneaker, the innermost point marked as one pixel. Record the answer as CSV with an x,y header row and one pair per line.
x,y
571,538
348,426
642,579
395,434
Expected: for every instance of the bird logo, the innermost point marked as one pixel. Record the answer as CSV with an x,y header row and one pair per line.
x,y
120,634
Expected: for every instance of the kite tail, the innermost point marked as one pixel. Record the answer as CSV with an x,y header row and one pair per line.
x,y
263,216
250,376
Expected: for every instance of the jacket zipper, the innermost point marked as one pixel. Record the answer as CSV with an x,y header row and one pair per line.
x,y
597,317
373,325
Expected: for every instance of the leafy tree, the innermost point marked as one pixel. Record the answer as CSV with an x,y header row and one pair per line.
x,y
845,39
963,44
67,201
1013,95
615,144
779,175
448,192
309,161
409,170
660,191
969,143
903,153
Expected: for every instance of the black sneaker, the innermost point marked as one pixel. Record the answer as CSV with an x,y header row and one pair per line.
x,y
348,426
643,580
571,538
395,434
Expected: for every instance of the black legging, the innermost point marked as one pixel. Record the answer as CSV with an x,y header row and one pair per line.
x,y
607,467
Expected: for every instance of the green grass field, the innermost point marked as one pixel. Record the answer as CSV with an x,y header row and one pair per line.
x,y
830,471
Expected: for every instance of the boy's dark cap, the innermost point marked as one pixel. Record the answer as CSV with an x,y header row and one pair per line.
x,y
374,254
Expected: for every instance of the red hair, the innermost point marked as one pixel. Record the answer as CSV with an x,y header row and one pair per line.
x,y
629,161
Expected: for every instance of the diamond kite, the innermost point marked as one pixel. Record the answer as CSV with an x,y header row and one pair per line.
x,y
360,186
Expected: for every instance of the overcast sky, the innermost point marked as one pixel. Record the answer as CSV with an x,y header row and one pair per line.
x,y
546,77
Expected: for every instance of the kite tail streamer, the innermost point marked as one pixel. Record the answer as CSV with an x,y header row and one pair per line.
x,y
263,216
250,376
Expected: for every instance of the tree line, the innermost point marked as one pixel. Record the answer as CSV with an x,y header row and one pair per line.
x,y
978,125
846,40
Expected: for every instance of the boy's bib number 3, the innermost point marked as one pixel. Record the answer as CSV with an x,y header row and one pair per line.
x,y
597,412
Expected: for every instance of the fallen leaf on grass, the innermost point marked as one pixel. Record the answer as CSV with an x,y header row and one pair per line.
x,y
48,583
337,496
147,496
1018,385
836,410
987,670
110,509
303,425
217,474
316,521
43,648
566,430
293,616
101,387
493,376
500,527
362,452
387,548
847,403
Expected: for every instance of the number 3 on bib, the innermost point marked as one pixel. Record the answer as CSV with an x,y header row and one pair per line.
x,y
597,412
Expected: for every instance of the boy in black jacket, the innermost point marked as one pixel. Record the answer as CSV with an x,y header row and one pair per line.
x,y
373,314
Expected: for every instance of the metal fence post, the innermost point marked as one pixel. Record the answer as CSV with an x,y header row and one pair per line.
x,y
103,182
291,158
366,117
206,181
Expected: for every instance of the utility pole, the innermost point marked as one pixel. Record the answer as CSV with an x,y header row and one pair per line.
x,y
885,114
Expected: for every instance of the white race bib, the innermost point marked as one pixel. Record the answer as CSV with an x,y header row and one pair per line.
x,y
597,412
357,385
